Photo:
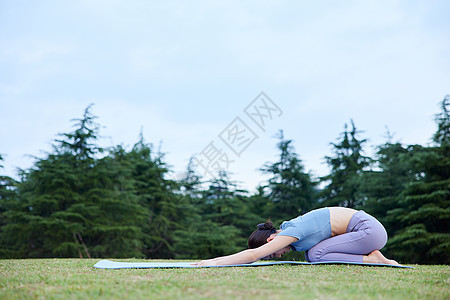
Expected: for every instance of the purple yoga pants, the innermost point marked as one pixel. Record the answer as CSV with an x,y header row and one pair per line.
x,y
364,234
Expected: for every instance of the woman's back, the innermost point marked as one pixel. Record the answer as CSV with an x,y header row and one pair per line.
x,y
339,219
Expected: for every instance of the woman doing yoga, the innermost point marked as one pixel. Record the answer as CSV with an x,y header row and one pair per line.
x,y
326,234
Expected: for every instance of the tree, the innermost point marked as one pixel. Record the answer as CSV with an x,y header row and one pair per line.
x,y
7,193
202,239
116,228
442,134
423,214
381,188
290,190
191,182
218,223
224,203
347,167
7,201
156,195
81,142
394,168
51,216
73,204
398,167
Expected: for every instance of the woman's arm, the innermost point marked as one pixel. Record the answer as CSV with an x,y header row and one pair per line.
x,y
250,255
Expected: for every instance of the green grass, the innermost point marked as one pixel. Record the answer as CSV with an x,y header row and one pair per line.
x,y
76,278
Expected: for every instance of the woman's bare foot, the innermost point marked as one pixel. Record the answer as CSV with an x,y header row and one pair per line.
x,y
375,257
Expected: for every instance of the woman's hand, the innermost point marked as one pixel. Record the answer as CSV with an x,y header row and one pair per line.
x,y
205,263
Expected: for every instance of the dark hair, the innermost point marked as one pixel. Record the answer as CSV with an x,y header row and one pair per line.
x,y
259,236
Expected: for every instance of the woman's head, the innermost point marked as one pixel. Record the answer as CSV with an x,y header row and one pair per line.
x,y
259,237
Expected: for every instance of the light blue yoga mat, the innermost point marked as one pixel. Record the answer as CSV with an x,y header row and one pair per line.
x,y
107,264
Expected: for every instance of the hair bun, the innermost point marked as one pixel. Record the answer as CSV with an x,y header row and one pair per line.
x,y
261,226
268,225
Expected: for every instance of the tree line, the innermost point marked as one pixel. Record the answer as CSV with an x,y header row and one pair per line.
x,y
81,200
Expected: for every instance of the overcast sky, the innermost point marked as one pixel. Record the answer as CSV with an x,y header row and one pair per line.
x,y
186,72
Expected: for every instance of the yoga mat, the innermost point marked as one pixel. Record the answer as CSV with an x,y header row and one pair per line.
x,y
107,264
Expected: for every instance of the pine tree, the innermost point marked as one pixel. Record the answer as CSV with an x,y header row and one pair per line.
x,y
190,186
442,134
381,187
7,202
397,169
219,222
347,166
52,216
220,201
225,203
203,239
424,207
156,195
290,190
7,193
73,204
116,229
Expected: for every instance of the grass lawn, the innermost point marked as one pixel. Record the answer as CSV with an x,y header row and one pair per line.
x,y
76,278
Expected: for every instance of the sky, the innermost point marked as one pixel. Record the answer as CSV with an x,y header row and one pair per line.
x,y
219,79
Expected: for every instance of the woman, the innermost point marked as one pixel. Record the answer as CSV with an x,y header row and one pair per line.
x,y
326,234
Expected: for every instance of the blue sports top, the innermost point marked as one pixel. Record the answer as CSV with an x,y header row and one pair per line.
x,y
310,229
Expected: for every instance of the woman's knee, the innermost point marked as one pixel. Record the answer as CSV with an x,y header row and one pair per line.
x,y
378,235
313,255
382,238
